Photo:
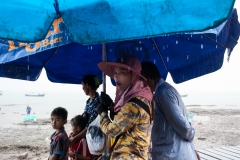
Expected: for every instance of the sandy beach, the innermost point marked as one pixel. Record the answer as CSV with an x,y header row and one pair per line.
x,y
30,140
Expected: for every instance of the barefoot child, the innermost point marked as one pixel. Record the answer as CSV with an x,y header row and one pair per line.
x,y
79,150
59,139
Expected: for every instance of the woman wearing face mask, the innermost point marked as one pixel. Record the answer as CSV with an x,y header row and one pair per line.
x,y
131,123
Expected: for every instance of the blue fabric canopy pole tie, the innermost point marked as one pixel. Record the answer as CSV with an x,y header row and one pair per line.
x,y
56,6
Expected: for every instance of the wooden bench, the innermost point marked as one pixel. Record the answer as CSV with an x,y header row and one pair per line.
x,y
224,153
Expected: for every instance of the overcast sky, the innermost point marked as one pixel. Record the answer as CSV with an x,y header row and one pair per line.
x,y
225,80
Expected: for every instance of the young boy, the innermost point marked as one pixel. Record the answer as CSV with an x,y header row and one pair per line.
x,y
59,139
79,151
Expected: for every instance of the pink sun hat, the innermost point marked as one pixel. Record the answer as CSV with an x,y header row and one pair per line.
x,y
129,62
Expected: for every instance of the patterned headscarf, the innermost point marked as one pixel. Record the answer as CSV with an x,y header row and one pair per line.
x,y
136,89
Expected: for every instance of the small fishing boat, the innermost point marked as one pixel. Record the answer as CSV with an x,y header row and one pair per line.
x,y
31,94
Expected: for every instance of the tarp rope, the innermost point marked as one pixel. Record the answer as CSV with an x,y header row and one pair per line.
x,y
214,40
51,56
156,46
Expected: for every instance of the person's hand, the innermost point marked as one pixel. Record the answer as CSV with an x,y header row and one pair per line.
x,y
71,154
70,135
86,116
102,108
112,113
198,156
106,99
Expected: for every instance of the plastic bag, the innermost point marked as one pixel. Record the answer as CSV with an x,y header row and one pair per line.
x,y
95,137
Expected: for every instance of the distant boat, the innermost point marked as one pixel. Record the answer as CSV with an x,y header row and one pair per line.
x,y
184,95
0,93
35,94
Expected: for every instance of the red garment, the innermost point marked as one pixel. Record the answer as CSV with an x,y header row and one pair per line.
x,y
81,148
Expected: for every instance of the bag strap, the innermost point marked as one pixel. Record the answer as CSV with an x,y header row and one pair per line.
x,y
115,142
141,104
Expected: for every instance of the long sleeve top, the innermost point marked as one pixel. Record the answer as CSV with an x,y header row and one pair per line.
x,y
133,122
172,133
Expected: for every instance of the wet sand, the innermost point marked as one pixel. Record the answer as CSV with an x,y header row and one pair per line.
x,y
30,140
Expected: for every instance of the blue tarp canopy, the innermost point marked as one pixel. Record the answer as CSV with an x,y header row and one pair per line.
x,y
184,56
97,21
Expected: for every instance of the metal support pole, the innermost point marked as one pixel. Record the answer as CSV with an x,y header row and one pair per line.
x,y
104,58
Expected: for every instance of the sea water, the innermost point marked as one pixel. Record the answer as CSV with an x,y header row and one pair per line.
x,y
13,104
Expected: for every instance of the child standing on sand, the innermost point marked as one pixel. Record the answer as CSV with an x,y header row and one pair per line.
x,y
79,150
59,139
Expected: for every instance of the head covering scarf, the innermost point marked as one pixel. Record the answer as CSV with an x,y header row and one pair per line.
x,y
136,89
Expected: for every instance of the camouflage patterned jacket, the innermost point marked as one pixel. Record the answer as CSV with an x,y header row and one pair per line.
x,y
133,122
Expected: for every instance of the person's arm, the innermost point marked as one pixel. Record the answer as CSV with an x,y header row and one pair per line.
x,y
169,103
54,157
123,120
91,117
79,136
198,156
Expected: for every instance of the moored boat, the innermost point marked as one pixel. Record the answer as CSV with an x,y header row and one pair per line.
x,y
35,94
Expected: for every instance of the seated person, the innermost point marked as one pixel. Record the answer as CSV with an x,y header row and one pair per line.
x,y
79,150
